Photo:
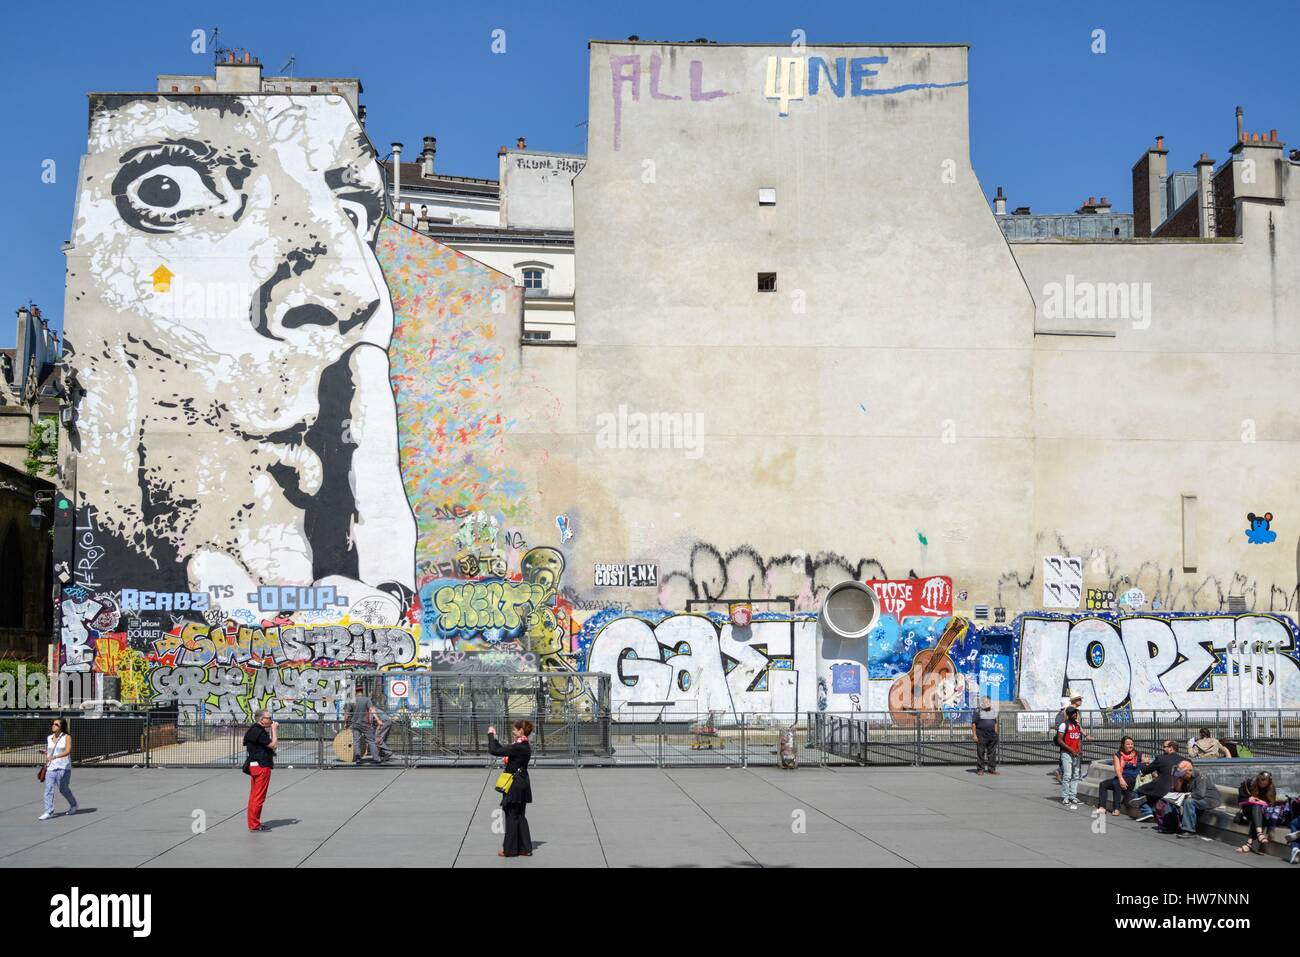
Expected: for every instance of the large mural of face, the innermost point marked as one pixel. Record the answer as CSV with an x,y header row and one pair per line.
x,y
230,323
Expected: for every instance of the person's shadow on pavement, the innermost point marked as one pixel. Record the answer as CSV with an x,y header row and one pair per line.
x,y
284,822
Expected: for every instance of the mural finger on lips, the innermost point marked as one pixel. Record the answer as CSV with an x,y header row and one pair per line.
x,y
238,432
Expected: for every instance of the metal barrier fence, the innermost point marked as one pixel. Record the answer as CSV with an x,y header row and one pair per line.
x,y
449,738
1027,737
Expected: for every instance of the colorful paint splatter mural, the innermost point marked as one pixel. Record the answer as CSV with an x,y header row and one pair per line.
x,y
448,366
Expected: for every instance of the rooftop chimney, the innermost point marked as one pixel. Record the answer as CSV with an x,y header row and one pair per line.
x,y
1241,116
397,179
999,203
1147,174
1205,213
520,144
427,155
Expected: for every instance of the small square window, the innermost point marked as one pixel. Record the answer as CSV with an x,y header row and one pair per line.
x,y
767,196
767,282
533,279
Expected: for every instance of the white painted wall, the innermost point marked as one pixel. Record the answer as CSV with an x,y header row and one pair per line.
x,y
537,188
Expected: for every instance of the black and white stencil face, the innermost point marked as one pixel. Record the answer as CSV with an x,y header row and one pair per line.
x,y
231,325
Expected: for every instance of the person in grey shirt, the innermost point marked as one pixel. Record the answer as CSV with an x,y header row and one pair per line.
x,y
1202,795
363,718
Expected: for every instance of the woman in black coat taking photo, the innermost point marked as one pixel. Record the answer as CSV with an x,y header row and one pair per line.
x,y
515,801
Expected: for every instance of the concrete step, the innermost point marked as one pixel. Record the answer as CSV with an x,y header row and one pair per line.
x,y
1218,824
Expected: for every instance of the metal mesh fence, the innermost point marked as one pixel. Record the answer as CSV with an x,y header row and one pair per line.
x,y
455,734
1026,737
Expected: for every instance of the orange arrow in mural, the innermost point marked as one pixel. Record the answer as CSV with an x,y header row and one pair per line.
x,y
162,279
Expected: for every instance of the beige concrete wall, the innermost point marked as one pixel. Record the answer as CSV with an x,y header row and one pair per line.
x,y
877,398
1195,398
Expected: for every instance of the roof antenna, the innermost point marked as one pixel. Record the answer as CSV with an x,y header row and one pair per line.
x,y
290,65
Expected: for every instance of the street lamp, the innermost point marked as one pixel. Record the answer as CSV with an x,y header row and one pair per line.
x,y
37,514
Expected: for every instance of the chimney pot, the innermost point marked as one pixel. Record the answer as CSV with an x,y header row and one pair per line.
x,y
1272,136
521,145
1160,142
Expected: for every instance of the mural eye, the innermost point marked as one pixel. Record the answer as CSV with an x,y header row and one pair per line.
x,y
357,213
156,194
171,188
160,190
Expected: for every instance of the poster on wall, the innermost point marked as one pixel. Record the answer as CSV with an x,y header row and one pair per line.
x,y
1062,581
914,596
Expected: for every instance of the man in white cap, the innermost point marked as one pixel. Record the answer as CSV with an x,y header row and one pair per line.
x,y
1071,699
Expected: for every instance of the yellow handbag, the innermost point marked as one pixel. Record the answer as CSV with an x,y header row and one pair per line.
x,y
504,781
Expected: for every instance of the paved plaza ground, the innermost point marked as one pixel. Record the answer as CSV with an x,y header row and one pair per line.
x,y
600,817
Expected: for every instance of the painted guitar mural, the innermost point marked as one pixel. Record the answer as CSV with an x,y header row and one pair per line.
x,y
916,698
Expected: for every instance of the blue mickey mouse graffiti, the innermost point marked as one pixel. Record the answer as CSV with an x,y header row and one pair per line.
x,y
1259,532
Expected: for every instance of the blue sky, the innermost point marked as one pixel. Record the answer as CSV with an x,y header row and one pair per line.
x,y
1051,121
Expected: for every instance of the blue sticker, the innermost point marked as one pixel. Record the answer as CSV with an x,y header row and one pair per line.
x,y
845,679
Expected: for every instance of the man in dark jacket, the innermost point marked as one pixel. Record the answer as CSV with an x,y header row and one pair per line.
x,y
1163,765
984,729
1202,795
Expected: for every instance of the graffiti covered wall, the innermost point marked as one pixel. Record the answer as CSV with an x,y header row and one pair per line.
x,y
287,398
1183,662
297,454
